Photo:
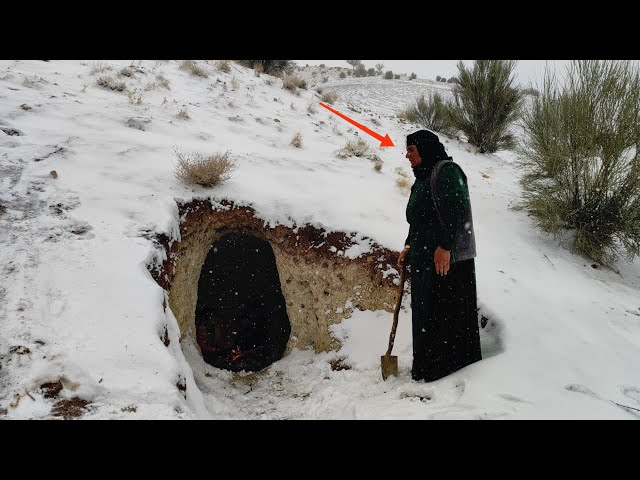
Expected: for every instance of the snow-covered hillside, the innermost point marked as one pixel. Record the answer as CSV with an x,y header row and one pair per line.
x,y
78,305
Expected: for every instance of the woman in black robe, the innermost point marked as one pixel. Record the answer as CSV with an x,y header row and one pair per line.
x,y
440,251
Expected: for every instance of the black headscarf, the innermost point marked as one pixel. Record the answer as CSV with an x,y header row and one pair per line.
x,y
430,149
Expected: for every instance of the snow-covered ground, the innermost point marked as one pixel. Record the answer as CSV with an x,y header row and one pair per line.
x,y
78,305
385,97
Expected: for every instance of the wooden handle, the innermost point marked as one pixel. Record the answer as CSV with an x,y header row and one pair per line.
x,y
392,335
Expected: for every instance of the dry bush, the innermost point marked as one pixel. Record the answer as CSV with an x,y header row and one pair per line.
x,y
135,97
297,140
162,81
402,182
99,67
183,114
205,170
126,72
33,82
223,66
107,81
276,68
291,83
194,69
354,148
329,97
377,165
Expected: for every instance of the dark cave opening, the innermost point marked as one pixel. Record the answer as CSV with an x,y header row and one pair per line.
x,y
241,318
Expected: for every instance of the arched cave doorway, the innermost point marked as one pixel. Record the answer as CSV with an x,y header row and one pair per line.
x,y
241,318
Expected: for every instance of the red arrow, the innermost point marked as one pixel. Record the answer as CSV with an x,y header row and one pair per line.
x,y
385,141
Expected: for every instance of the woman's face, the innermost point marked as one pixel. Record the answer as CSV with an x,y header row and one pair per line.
x,y
413,155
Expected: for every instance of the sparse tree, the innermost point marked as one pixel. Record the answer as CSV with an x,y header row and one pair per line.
x,y
413,76
360,71
388,75
379,67
486,104
354,63
581,158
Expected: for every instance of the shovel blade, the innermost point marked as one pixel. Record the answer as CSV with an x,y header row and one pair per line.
x,y
389,364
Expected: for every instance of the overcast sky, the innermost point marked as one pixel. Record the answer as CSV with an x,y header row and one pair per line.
x,y
527,71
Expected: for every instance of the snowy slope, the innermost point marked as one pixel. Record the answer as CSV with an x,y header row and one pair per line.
x,y
78,304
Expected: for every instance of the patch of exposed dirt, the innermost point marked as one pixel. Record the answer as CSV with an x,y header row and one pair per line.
x,y
70,408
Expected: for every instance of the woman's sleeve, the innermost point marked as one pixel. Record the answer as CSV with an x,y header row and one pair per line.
x,y
408,240
452,195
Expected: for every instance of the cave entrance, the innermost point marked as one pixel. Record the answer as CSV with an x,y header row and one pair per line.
x,y
241,318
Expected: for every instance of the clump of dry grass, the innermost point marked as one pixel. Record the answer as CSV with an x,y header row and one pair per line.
x,y
194,69
223,66
293,82
183,114
270,81
377,165
99,67
205,170
235,83
297,140
107,81
336,130
162,81
126,72
293,107
135,97
258,68
402,182
329,97
311,108
354,148
33,82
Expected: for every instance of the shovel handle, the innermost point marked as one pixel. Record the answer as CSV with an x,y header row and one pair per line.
x,y
392,335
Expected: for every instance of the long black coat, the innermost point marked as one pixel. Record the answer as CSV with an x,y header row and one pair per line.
x,y
444,308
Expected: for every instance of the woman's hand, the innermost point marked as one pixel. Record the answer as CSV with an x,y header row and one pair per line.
x,y
442,258
402,256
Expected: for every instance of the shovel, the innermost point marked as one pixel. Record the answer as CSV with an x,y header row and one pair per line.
x,y
388,362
